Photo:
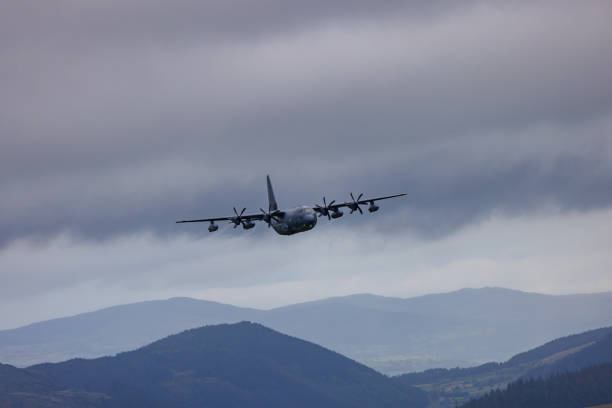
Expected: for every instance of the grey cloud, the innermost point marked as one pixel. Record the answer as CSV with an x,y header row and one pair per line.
x,y
140,21
116,124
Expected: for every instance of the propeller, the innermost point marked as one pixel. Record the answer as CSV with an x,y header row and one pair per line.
x,y
355,204
269,216
237,220
324,210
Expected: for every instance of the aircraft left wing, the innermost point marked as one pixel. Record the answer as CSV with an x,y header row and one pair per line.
x,y
235,219
207,219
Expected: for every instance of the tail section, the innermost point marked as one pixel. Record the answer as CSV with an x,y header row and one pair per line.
x,y
272,205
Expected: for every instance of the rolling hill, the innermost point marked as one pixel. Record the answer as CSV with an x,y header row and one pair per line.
x,y
21,388
393,335
237,365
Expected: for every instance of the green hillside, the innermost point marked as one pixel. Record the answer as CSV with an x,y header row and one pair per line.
x,y
588,354
447,387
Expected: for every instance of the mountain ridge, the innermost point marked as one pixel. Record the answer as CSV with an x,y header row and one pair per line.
x,y
393,335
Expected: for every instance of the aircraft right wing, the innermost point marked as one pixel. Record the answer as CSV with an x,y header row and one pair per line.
x,y
370,200
332,207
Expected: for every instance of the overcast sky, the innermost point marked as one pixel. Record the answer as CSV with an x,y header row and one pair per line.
x,y
119,117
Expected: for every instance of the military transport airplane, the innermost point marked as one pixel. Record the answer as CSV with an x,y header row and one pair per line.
x,y
294,220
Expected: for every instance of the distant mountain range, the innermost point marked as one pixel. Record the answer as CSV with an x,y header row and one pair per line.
x,y
238,365
450,386
393,335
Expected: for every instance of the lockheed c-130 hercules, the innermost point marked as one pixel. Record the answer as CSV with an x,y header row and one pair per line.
x,y
294,220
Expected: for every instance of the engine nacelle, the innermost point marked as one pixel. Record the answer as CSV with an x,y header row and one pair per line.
x,y
248,225
373,207
213,227
337,214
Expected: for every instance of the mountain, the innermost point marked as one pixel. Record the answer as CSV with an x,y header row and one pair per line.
x,y
448,386
585,388
393,335
237,365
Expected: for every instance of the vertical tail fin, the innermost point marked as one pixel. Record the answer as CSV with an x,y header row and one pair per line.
x,y
272,205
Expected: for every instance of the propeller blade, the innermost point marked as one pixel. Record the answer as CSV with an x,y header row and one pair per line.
x,y
268,217
360,211
235,212
243,210
352,196
325,209
360,195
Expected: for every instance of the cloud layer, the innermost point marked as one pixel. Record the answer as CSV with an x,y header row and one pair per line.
x,y
560,253
119,117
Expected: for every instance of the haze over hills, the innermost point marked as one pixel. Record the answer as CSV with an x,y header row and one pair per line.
x,y
238,365
393,335
464,327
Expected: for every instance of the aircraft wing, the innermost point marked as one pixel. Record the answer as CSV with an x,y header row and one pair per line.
x,y
366,200
244,217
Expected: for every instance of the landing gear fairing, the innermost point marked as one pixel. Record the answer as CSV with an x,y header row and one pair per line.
x,y
294,220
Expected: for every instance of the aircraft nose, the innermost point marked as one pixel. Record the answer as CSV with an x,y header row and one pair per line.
x,y
312,219
309,220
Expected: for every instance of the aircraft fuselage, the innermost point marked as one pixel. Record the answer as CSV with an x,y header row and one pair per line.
x,y
295,220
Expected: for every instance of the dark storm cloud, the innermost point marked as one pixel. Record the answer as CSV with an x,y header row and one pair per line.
x,y
123,116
